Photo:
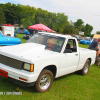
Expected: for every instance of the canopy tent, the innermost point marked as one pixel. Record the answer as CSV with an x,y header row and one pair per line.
x,y
40,27
96,36
7,25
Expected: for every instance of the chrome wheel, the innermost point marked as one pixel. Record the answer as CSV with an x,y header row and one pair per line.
x,y
45,81
86,68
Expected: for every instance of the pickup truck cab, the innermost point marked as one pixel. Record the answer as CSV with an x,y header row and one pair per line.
x,y
42,58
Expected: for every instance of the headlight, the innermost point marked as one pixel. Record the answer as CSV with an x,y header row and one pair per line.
x,y
28,67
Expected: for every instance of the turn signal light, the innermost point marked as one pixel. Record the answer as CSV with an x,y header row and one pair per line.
x,y
32,68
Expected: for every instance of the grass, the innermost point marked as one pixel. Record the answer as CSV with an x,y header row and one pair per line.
x,y
68,87
21,37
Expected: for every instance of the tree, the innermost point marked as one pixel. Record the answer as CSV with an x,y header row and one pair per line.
x,y
88,30
71,23
70,29
83,28
78,24
28,15
7,13
98,32
2,16
62,21
54,24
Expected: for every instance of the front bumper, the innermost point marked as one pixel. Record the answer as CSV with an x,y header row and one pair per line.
x,y
19,82
18,76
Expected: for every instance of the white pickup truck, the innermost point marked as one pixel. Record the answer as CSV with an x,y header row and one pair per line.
x,y
42,58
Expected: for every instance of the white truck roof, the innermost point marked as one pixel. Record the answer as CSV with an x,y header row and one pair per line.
x,y
61,35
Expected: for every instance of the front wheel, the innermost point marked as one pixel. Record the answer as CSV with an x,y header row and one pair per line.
x,y
85,69
44,81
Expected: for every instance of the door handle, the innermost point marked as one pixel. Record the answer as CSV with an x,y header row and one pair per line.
x,y
76,54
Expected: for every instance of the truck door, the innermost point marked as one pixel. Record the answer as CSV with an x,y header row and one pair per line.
x,y
70,58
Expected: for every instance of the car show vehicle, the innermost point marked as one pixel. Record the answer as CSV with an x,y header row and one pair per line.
x,y
8,40
28,34
77,37
21,30
7,29
44,57
85,41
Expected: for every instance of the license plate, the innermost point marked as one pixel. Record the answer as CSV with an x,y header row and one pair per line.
x,y
3,73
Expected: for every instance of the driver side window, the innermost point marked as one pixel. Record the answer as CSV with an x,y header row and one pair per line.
x,y
70,46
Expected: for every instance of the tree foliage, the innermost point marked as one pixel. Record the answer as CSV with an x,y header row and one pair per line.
x,y
87,29
26,16
2,16
78,24
98,32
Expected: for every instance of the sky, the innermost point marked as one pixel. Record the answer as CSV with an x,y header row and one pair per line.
x,y
87,10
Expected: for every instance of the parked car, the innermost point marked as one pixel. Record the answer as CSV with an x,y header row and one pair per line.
x,y
29,33
85,41
21,31
8,40
78,37
43,58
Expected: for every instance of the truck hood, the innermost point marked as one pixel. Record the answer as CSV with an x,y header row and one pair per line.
x,y
29,51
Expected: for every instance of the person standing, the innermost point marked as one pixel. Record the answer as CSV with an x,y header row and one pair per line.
x,y
34,32
94,46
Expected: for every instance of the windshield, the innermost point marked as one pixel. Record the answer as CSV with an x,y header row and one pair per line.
x,y
87,39
1,33
51,42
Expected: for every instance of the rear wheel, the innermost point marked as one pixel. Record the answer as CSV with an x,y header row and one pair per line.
x,y
44,81
85,69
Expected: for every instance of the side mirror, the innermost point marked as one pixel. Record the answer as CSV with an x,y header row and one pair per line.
x,y
68,51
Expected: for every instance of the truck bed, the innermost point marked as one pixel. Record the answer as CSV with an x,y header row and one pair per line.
x,y
87,53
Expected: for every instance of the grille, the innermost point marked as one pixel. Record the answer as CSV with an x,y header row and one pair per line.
x,y
11,62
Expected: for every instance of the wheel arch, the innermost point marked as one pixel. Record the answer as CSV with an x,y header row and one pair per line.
x,y
86,42
89,60
82,71
52,68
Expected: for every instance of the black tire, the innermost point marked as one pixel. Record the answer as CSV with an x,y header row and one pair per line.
x,y
44,81
85,69
97,62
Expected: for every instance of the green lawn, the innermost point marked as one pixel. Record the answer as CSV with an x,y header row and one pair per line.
x,y
21,37
69,87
